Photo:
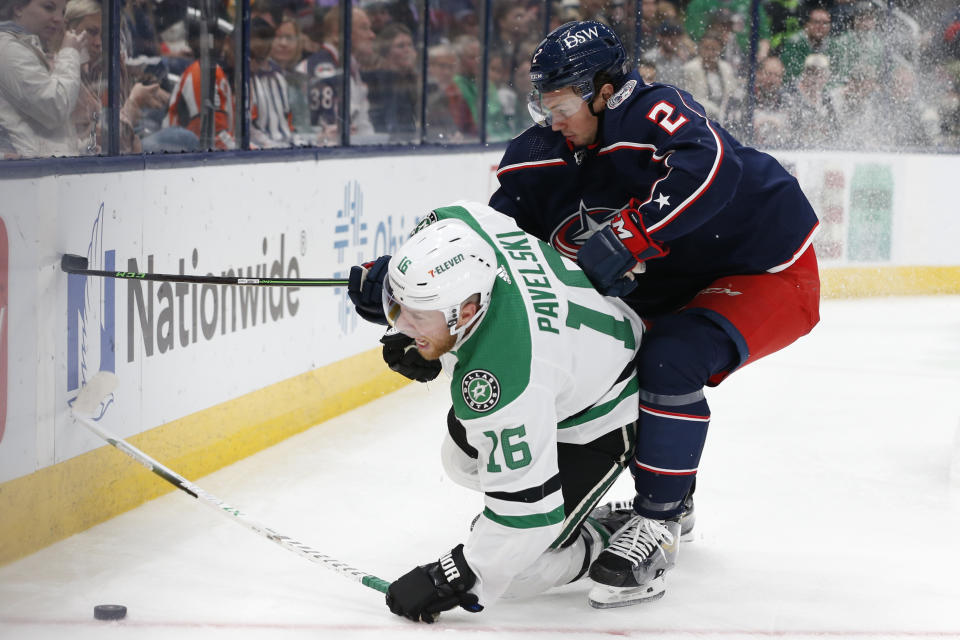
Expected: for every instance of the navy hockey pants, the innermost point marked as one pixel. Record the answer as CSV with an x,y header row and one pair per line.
x,y
737,320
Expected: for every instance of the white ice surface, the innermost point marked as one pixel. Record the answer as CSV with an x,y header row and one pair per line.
x,y
826,509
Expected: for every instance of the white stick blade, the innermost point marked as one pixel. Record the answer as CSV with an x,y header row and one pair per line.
x,y
94,392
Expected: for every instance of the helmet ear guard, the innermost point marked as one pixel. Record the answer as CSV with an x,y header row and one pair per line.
x,y
439,269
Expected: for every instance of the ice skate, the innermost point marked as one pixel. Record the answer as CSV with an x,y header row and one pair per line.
x,y
615,514
632,567
688,517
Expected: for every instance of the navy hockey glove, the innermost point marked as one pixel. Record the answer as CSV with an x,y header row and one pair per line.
x,y
365,289
614,251
401,355
423,593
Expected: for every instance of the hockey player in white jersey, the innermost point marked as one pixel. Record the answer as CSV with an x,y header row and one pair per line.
x,y
544,393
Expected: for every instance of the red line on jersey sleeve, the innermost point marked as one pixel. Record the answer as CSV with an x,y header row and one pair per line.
x,y
555,162
633,146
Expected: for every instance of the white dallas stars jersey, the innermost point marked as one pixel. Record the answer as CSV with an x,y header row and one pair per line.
x,y
551,361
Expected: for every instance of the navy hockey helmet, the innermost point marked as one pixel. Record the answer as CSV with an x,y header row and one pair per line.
x,y
573,53
571,56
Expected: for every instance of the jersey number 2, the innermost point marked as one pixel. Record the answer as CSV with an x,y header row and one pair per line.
x,y
661,114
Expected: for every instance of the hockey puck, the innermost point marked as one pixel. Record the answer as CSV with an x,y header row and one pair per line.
x,y
109,612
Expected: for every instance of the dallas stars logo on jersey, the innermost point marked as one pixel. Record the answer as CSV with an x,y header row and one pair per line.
x,y
481,390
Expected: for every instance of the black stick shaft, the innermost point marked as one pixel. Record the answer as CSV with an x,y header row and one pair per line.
x,y
75,264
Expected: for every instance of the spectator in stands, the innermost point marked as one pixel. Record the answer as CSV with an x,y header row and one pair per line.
x,y
948,107
185,117
86,16
140,25
448,114
378,11
465,22
609,12
362,40
712,82
38,95
89,115
138,99
786,19
859,107
648,24
647,71
287,51
814,38
909,122
946,44
563,11
667,11
271,121
522,86
841,16
468,80
722,24
324,73
512,26
500,75
810,112
698,21
770,117
672,52
83,16
265,10
395,85
860,46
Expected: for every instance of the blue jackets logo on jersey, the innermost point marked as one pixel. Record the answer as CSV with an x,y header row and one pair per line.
x,y
576,229
481,390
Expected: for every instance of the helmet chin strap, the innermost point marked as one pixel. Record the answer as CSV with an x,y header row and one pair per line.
x,y
464,331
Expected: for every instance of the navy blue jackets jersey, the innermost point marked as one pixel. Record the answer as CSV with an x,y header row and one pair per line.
x,y
324,82
722,208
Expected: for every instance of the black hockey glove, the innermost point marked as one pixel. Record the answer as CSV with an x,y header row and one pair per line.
x,y
365,289
423,593
401,355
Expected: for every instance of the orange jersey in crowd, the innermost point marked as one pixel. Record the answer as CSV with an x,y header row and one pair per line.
x,y
184,108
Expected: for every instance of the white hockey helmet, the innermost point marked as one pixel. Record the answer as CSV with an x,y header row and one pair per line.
x,y
438,269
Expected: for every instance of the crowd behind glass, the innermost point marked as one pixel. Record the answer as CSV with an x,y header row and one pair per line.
x,y
826,74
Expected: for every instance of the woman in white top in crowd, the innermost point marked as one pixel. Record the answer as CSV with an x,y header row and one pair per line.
x,y
37,93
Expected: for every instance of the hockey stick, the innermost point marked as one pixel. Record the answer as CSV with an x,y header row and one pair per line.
x,y
72,263
86,404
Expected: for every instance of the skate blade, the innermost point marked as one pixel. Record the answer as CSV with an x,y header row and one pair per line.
x,y
604,597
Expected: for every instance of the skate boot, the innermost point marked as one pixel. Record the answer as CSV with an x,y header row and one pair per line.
x,y
688,517
632,567
614,515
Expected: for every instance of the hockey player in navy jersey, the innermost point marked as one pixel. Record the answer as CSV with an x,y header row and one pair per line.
x,y
707,239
